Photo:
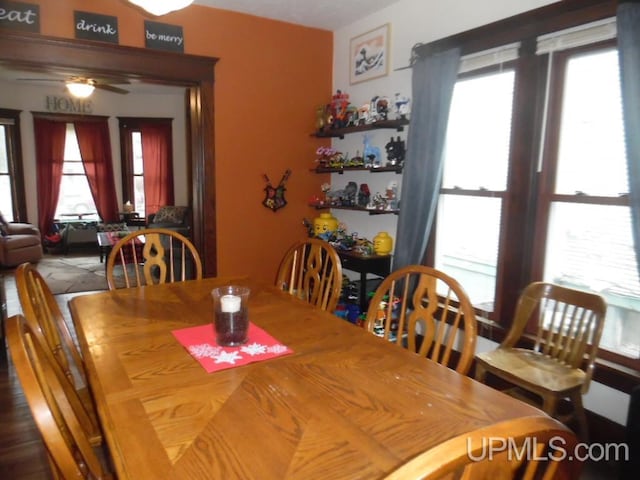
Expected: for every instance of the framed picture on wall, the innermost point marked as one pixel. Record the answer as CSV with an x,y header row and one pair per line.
x,y
369,55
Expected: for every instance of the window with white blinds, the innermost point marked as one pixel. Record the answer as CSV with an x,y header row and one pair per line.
x,y
575,202
476,165
589,239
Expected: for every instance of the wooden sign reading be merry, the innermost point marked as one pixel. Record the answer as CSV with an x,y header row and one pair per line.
x,y
162,36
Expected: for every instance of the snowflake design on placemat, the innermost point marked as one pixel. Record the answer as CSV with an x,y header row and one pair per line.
x,y
227,357
254,349
277,348
204,350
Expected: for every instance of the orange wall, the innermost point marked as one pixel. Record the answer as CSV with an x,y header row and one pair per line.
x,y
269,78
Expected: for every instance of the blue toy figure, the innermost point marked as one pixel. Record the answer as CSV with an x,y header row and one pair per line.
x,y
371,154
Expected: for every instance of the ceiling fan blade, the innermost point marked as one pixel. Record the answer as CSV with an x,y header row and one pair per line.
x,y
40,79
111,88
100,79
110,80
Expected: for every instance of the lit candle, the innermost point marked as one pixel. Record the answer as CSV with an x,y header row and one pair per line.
x,y
230,303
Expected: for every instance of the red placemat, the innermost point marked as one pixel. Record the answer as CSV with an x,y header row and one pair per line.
x,y
200,342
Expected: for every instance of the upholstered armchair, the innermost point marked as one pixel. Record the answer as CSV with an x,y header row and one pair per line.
x,y
19,243
172,217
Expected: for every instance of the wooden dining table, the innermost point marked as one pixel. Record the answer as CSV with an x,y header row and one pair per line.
x,y
344,405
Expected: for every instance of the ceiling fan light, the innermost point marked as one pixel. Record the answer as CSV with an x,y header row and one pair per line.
x,y
158,8
80,89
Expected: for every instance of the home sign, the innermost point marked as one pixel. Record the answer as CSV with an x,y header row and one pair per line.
x,y
80,106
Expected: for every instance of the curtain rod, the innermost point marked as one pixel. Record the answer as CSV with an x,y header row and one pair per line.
x,y
530,24
413,58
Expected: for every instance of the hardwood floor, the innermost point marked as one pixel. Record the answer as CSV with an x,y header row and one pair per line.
x,y
22,455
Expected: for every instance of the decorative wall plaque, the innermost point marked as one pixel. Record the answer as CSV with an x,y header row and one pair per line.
x,y
20,16
91,26
162,36
80,106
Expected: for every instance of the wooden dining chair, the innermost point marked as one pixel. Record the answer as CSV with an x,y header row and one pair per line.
x,y
428,312
311,270
152,256
566,325
524,448
43,315
69,451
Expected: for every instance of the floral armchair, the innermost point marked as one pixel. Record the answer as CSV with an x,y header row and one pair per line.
x,y
172,217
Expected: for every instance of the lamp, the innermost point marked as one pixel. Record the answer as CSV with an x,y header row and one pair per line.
x,y
158,8
80,88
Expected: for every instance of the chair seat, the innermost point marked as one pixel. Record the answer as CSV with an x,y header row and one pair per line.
x,y
537,371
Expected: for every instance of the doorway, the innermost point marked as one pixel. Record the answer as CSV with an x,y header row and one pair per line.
x,y
194,73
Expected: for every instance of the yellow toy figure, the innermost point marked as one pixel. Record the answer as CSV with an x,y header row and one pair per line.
x,y
382,243
325,225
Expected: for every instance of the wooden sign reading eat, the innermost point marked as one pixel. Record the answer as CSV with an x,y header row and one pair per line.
x,y
91,26
20,16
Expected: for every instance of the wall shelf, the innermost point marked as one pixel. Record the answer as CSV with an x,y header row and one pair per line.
x,y
370,211
397,124
341,170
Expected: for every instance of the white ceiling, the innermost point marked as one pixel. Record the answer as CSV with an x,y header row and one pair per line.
x,y
324,14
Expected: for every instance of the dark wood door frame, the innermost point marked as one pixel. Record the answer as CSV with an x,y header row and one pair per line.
x,y
194,73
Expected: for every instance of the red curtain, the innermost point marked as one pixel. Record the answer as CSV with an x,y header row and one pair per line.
x,y
95,149
49,139
157,160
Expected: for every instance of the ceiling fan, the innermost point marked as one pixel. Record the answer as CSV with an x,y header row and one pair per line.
x,y
82,87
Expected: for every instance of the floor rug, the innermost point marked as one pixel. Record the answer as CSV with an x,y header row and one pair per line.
x,y
73,272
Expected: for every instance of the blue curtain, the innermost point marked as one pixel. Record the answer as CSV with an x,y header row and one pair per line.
x,y
434,77
628,24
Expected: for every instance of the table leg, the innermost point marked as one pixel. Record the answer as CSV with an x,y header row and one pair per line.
x,y
363,292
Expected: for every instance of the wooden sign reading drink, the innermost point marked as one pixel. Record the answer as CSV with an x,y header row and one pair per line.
x,y
20,16
91,26
162,36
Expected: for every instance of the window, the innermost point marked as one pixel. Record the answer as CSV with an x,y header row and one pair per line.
x,y
75,199
138,174
147,163
474,183
6,200
535,169
589,242
12,204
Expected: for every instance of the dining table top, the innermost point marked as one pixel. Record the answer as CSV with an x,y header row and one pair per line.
x,y
344,405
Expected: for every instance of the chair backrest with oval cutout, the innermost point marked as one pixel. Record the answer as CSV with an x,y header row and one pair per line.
x,y
428,312
528,447
311,270
152,256
69,450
